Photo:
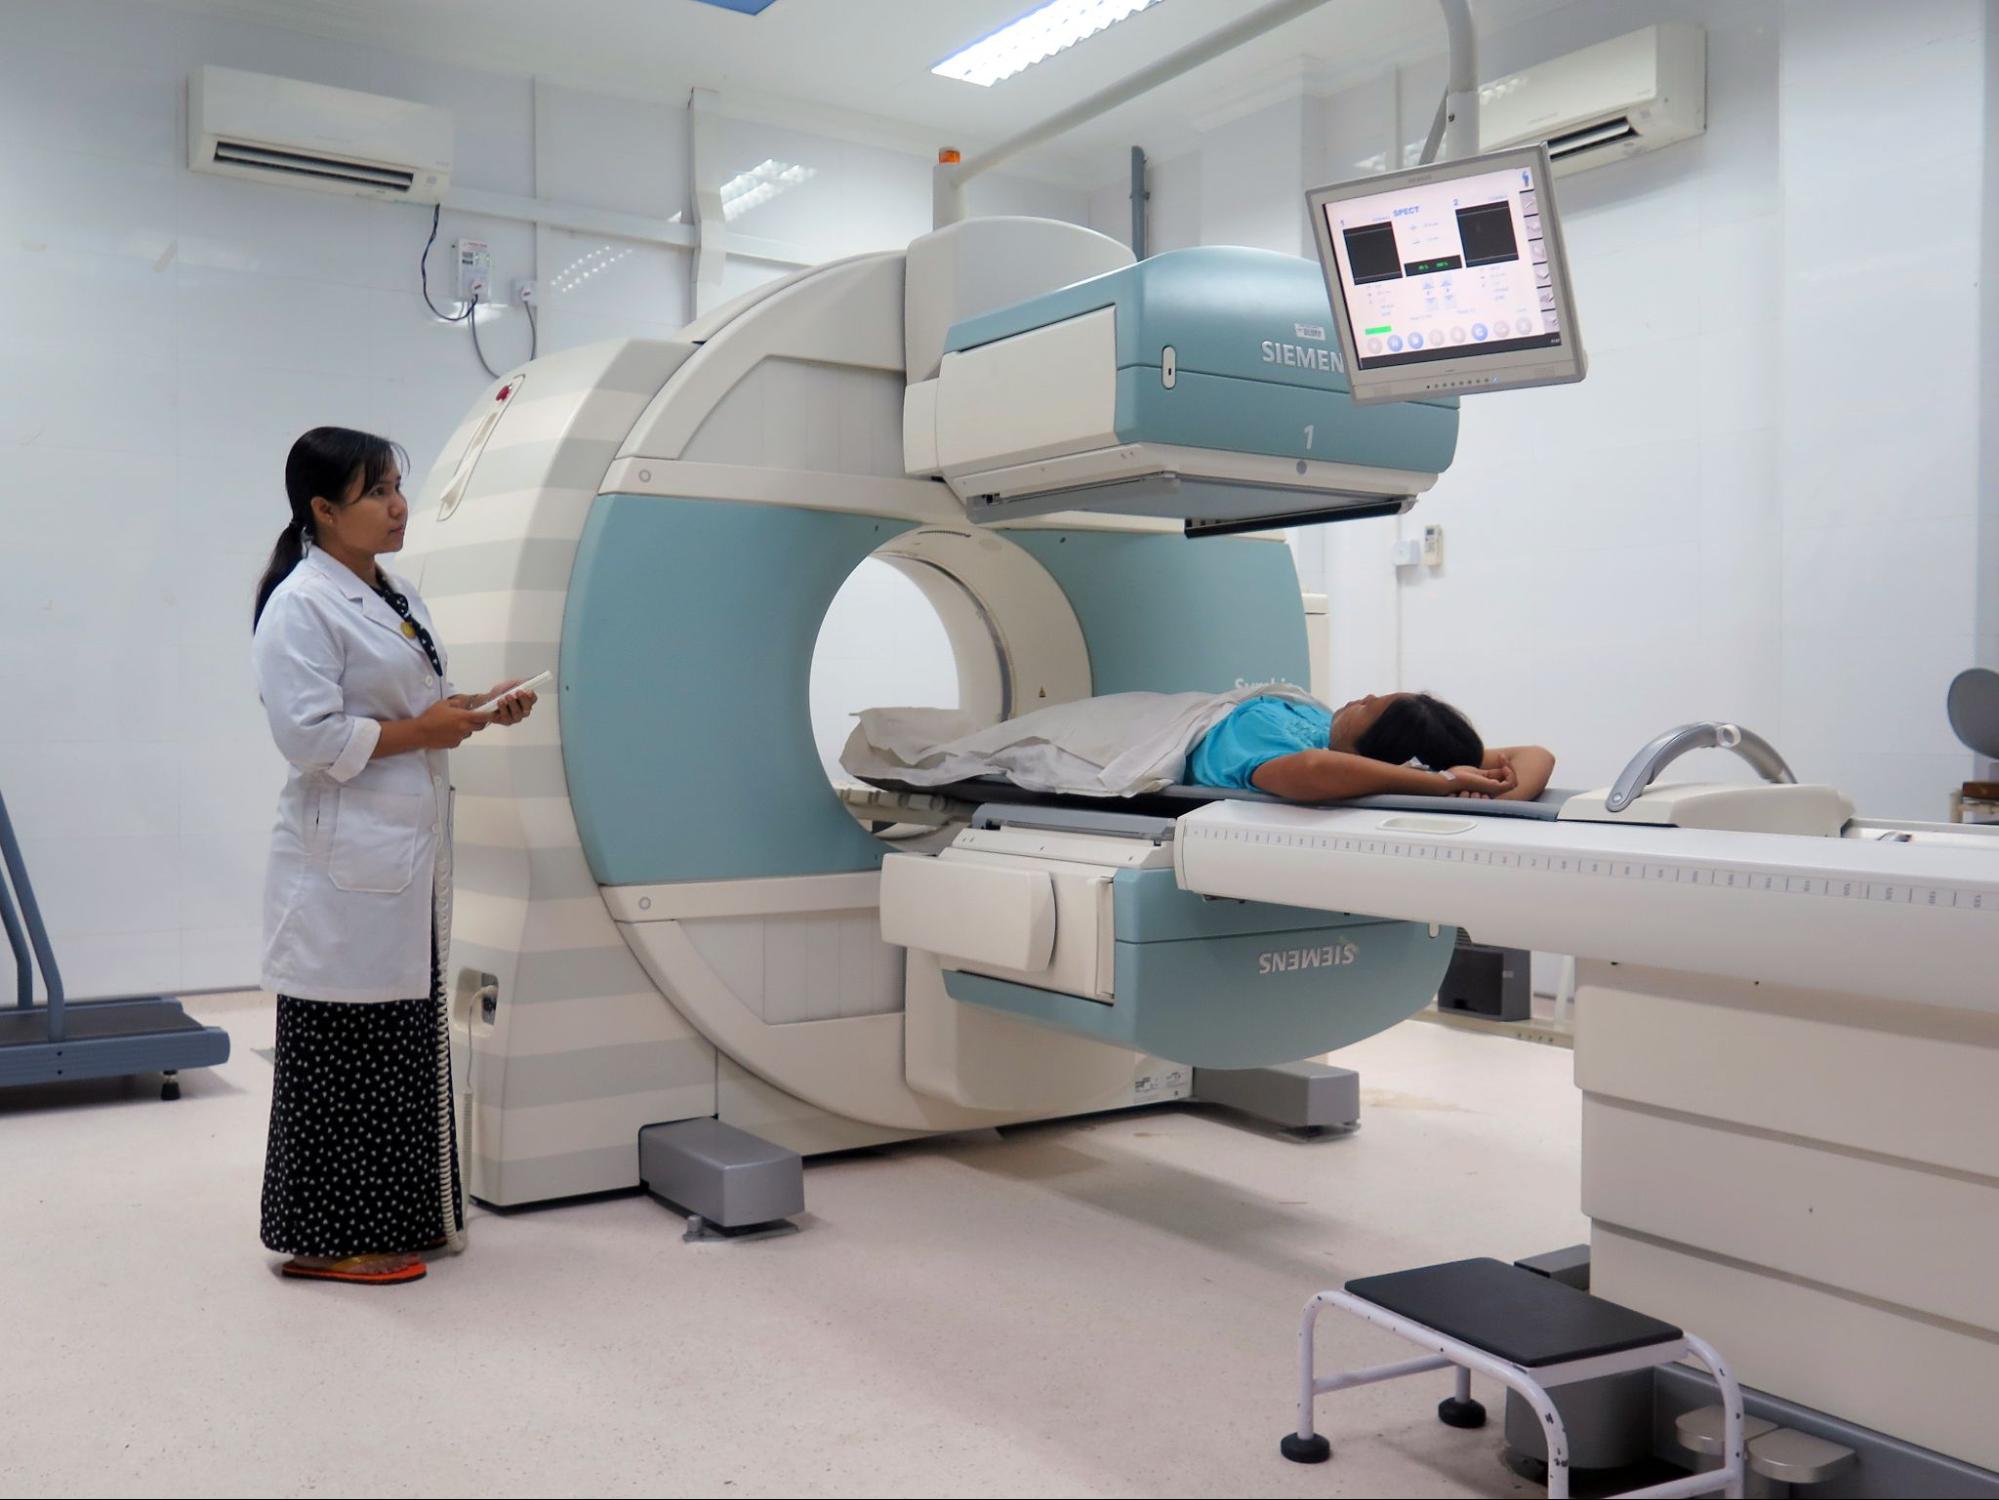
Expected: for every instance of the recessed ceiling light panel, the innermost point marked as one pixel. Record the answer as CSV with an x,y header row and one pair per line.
x,y
1040,34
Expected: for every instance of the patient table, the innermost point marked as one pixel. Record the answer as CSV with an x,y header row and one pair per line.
x,y
1788,1027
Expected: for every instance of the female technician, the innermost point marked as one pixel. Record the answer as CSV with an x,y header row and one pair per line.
x,y
361,1172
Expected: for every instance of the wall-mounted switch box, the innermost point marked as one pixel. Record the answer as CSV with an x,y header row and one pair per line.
x,y
475,271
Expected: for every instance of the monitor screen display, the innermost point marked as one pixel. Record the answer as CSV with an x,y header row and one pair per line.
x,y
1449,278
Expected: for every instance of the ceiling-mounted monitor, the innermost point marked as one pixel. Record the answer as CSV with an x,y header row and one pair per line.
x,y
1450,279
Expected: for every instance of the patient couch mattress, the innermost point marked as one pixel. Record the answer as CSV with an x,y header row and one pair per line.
x,y
1176,801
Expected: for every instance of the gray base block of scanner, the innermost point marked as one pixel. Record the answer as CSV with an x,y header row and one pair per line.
x,y
720,1176
1569,1266
1296,1096
1606,1420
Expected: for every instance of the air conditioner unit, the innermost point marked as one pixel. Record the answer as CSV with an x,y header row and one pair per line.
x,y
1621,97
311,136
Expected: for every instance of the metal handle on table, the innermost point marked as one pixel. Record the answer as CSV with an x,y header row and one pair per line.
x,y
17,941
1711,735
16,872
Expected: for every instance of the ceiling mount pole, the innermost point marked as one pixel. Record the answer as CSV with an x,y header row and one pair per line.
x,y
1459,111
1139,197
948,203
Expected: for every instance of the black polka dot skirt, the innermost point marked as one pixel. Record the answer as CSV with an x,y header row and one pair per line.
x,y
363,1153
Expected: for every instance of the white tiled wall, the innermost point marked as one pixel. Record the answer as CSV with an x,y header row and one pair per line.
x,y
164,336
1753,507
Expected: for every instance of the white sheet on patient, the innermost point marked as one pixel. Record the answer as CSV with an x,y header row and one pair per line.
x,y
1116,746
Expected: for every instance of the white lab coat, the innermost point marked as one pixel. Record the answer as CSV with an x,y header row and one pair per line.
x,y
360,863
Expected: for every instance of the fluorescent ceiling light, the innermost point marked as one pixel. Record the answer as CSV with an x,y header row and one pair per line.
x,y
1040,34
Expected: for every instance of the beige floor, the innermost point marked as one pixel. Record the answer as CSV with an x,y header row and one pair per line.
x,y
1092,1308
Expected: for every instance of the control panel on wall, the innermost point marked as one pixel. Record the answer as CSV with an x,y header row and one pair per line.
x,y
475,271
1426,550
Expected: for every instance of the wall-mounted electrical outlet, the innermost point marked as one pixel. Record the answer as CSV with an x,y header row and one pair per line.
x,y
527,293
475,271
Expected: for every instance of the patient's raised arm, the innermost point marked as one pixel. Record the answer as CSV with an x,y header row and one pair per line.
x,y
1533,767
1335,776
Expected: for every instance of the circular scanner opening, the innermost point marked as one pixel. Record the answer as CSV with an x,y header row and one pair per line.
x,y
903,632
940,617
882,645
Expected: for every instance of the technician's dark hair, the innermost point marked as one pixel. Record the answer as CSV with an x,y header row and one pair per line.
x,y
323,462
1424,729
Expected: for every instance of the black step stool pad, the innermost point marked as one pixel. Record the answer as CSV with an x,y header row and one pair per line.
x,y
1513,1314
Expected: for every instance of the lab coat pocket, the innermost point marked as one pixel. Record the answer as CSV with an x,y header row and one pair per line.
x,y
374,841
317,832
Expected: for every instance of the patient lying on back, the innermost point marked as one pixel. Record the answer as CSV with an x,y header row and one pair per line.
x,y
1408,744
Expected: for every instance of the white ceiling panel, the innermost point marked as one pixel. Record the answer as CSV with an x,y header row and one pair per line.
x,y
863,66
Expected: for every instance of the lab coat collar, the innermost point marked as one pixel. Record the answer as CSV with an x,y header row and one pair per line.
x,y
338,574
348,583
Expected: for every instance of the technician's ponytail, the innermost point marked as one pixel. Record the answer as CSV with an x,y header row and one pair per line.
x,y
325,462
288,553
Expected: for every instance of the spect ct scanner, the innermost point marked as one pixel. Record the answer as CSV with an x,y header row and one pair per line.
x,y
678,914
1789,1034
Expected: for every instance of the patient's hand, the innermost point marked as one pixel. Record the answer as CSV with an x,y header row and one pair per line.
x,y
1531,767
1483,781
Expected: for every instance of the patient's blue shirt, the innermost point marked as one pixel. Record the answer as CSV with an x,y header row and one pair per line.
x,y
1256,730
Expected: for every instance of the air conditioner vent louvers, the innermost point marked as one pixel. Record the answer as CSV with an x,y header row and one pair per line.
x,y
286,132
1574,141
294,163
1604,103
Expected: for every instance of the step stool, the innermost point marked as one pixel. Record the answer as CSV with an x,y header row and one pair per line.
x,y
1527,1332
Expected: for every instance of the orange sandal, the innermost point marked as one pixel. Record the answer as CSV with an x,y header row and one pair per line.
x,y
352,1269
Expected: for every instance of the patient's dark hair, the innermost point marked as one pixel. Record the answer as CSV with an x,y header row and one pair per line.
x,y
1425,729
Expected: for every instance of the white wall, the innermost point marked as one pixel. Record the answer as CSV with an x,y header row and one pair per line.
x,y
1755,507
164,336
1988,518
1880,349
1613,562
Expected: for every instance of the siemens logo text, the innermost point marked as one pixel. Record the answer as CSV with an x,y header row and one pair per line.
x,y
1285,960
1275,353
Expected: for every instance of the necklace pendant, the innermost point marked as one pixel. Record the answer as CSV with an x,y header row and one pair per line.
x,y
409,629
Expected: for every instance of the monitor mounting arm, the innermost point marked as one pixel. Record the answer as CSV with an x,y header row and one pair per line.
x,y
1456,125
